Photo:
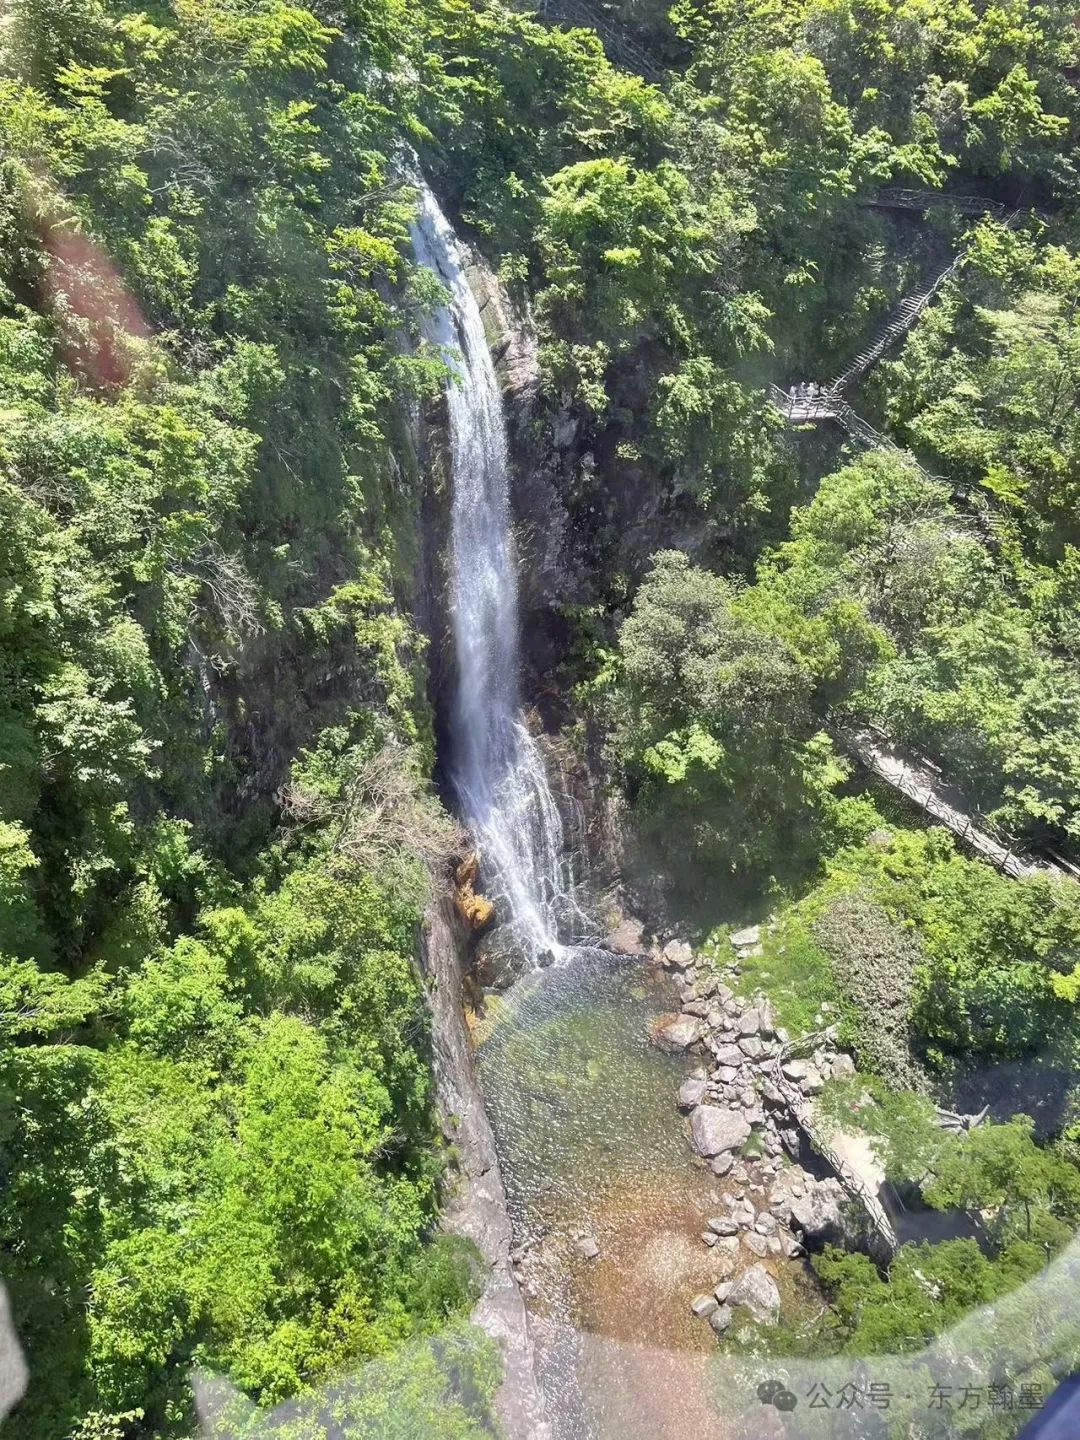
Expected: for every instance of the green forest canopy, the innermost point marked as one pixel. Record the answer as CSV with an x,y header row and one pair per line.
x,y
218,1140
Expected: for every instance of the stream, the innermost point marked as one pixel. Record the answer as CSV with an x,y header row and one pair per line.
x,y
591,1150
606,1207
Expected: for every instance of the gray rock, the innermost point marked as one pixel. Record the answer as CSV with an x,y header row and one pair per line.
x,y
676,1033
720,1319
843,1066
726,1073
766,1017
700,1008
714,1130
729,1055
749,1022
818,1214
751,1047
723,1290
756,1291
756,1244
587,1247
692,1091
724,1262
789,1245
628,937
703,1306
773,1242
743,939
678,955
723,1225
811,1082
795,1069
745,1213
765,1224
709,1238
721,1164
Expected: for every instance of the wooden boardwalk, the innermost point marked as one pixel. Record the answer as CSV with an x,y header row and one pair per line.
x,y
919,782
884,1240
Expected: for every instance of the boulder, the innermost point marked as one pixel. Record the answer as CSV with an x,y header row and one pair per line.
x,y
703,1306
714,1130
843,1066
723,1290
756,1244
743,939
678,955
749,1022
721,1164
628,937
755,1290
811,1082
723,1225
767,1017
720,1318
709,1238
751,1047
692,1091
795,1069
818,1215
729,1055
724,1262
676,1033
700,1008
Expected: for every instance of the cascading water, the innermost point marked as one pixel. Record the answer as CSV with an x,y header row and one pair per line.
x,y
567,1073
495,766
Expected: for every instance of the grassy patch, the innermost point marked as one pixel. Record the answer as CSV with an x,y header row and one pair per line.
x,y
792,970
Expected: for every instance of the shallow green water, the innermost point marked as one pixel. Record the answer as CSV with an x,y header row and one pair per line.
x,y
590,1142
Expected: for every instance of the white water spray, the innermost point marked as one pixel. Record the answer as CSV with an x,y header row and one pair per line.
x,y
496,767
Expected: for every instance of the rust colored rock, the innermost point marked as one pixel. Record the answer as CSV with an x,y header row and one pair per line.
x,y
477,911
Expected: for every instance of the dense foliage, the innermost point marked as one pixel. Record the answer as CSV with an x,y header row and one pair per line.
x,y
217,835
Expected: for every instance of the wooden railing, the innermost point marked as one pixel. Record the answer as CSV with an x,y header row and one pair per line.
x,y
914,779
803,1112
895,197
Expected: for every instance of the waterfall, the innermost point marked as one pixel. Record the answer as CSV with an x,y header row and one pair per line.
x,y
495,766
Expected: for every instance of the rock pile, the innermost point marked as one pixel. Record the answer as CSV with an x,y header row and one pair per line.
x,y
741,1124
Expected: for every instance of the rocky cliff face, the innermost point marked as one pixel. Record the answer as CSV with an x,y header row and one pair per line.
x,y
476,1208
